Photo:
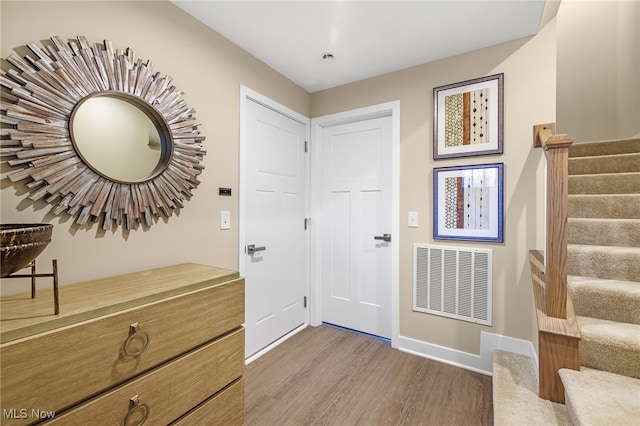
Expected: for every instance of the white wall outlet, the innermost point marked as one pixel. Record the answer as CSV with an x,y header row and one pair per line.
x,y
225,220
413,220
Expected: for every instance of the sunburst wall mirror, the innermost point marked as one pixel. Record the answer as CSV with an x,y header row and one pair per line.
x,y
97,134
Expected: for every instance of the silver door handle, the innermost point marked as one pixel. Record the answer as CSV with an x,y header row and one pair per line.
x,y
251,248
383,237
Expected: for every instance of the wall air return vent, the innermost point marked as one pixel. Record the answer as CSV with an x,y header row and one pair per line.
x,y
453,282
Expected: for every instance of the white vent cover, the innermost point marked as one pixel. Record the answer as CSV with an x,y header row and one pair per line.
x,y
453,282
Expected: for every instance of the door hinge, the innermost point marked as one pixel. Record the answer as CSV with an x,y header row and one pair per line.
x,y
307,223
305,301
306,146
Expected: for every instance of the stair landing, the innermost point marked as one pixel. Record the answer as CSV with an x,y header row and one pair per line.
x,y
595,397
515,394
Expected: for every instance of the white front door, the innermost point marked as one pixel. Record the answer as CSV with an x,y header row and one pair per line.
x,y
356,232
273,228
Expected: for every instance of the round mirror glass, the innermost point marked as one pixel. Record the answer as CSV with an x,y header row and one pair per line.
x,y
118,139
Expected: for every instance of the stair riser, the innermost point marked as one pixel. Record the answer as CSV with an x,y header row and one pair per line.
x,y
605,264
610,357
604,148
618,183
610,306
624,163
616,233
624,206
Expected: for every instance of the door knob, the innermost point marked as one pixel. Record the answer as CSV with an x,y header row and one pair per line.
x,y
251,248
383,237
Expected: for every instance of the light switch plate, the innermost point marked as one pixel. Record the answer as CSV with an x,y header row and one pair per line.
x,y
225,220
413,220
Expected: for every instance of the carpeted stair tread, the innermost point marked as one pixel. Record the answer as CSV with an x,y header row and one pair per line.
x,y
610,346
605,183
515,394
616,263
584,149
604,232
600,398
618,163
611,300
610,206
604,281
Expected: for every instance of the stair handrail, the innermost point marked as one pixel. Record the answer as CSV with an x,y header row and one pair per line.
x,y
556,149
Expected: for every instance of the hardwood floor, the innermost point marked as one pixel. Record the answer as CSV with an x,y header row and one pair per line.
x,y
330,376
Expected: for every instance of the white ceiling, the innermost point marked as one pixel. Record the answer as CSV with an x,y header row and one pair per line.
x,y
368,38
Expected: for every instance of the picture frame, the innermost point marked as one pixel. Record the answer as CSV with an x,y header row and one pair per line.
x,y
468,118
468,203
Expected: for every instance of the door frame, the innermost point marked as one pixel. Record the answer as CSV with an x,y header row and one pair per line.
x,y
249,95
315,286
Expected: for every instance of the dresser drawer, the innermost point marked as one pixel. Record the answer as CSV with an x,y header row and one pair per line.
x,y
166,392
53,370
224,409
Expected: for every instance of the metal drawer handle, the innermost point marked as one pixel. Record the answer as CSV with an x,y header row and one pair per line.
x,y
134,330
384,237
142,410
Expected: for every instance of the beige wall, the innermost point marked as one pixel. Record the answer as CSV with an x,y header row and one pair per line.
x,y
599,69
210,70
529,99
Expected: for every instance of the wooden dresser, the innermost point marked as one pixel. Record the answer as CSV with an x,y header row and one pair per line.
x,y
157,347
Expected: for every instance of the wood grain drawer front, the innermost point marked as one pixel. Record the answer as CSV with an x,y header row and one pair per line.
x,y
53,370
168,391
224,409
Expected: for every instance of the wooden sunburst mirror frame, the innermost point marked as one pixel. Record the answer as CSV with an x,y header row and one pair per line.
x,y
39,96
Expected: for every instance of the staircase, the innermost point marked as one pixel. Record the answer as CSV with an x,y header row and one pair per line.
x,y
604,281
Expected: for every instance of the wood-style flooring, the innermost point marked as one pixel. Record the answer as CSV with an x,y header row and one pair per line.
x,y
330,376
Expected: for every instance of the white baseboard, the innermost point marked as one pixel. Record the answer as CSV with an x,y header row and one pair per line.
x,y
482,363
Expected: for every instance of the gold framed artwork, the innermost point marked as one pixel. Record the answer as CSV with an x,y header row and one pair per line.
x,y
468,118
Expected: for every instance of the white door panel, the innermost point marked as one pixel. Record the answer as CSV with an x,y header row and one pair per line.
x,y
356,196
274,211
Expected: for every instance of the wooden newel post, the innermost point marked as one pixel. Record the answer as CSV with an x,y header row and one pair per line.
x,y
557,152
558,334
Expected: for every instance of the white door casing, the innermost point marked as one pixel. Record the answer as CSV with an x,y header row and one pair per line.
x,y
372,262
273,205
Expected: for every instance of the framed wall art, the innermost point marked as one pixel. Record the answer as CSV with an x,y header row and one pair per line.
x,y
468,118
468,203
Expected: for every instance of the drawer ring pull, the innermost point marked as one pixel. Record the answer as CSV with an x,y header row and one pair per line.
x,y
134,330
134,407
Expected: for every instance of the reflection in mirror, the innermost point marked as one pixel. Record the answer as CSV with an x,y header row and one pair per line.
x,y
116,138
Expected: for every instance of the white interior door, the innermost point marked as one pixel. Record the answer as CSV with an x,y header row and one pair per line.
x,y
273,173
356,205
